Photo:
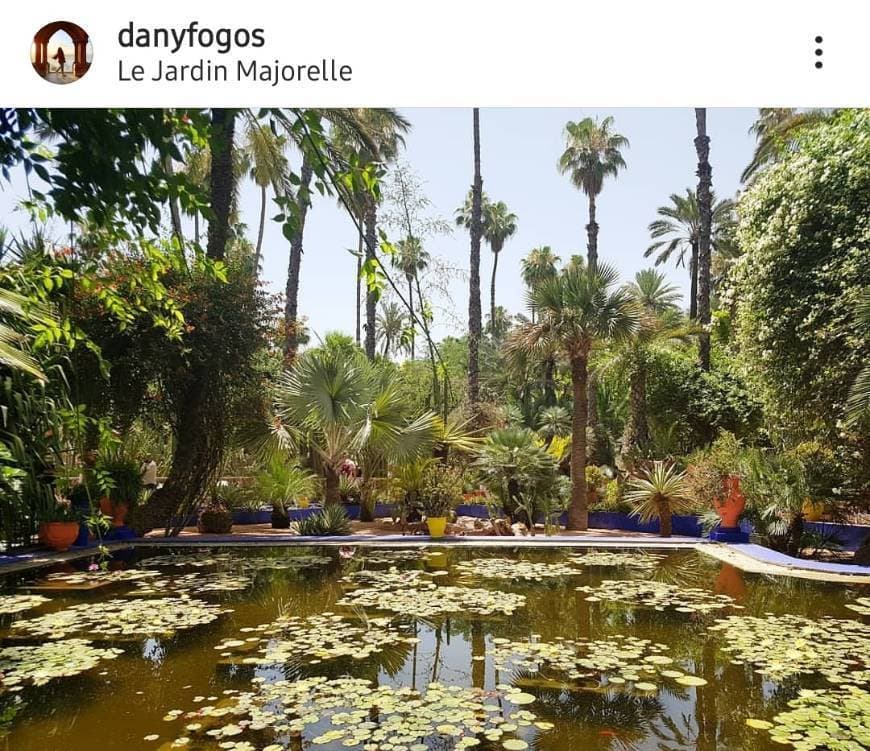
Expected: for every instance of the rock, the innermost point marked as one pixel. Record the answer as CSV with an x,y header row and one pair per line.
x,y
519,529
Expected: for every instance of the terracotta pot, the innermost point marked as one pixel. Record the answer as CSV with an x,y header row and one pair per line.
x,y
119,514
106,506
437,525
730,582
58,535
730,505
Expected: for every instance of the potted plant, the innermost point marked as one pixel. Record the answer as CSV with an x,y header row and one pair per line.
x,y
441,492
59,525
214,517
713,477
119,478
281,483
658,493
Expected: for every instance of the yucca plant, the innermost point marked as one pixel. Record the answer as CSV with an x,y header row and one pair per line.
x,y
658,493
330,521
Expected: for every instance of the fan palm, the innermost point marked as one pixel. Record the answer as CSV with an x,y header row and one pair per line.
x,y
340,405
539,264
554,421
658,493
677,229
577,308
593,152
19,308
411,259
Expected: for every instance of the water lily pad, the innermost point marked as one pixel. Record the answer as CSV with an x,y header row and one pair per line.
x,y
10,604
659,596
513,569
618,559
37,665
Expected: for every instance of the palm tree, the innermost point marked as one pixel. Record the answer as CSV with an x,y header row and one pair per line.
x,y
475,226
775,131
499,225
539,264
661,327
383,137
392,324
264,149
575,309
705,222
658,493
677,230
340,405
592,153
552,422
20,308
411,259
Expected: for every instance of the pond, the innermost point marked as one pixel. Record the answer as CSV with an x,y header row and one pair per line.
x,y
427,649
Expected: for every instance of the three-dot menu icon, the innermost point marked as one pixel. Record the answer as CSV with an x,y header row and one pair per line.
x,y
819,51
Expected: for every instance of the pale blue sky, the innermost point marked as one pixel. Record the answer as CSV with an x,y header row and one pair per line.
x,y
520,148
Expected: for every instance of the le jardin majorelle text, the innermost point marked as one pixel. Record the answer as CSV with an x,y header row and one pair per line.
x,y
219,42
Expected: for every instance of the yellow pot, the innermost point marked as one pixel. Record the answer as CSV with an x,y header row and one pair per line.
x,y
813,510
437,525
302,503
437,559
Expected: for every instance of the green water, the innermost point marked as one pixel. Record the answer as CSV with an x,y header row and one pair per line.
x,y
119,703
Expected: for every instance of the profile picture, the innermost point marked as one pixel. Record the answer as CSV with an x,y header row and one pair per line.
x,y
61,52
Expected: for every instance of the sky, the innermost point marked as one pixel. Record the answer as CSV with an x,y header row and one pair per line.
x,y
520,148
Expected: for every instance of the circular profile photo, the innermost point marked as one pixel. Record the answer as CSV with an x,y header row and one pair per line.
x,y
61,52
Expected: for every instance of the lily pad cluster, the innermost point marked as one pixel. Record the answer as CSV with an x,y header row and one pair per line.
x,y
124,618
779,646
312,640
196,584
407,719
37,665
11,604
240,563
394,556
861,605
659,596
427,600
835,720
99,577
622,659
515,569
618,559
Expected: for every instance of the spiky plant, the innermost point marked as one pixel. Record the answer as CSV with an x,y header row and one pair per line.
x,y
658,493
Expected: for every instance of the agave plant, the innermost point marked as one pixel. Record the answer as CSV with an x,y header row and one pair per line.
x,y
658,493
282,482
327,522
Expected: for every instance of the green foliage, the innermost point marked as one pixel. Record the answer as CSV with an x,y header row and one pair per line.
x,y
281,483
215,518
441,491
117,475
330,521
61,511
708,467
806,264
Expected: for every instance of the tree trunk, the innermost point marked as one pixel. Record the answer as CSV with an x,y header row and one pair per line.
x,y
199,429
258,251
174,211
693,282
196,227
635,439
411,310
332,496
359,287
665,520
592,235
291,291
474,316
578,514
550,381
492,294
371,221
705,211
222,182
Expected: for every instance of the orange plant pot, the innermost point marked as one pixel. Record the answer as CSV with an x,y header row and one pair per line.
x,y
117,511
58,535
732,502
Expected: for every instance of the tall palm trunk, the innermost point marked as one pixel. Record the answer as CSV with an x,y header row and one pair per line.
x,y
333,497
200,421
474,316
665,517
262,229
410,278
492,293
359,257
592,235
174,210
635,439
291,292
196,227
693,282
550,381
371,220
705,211
578,513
